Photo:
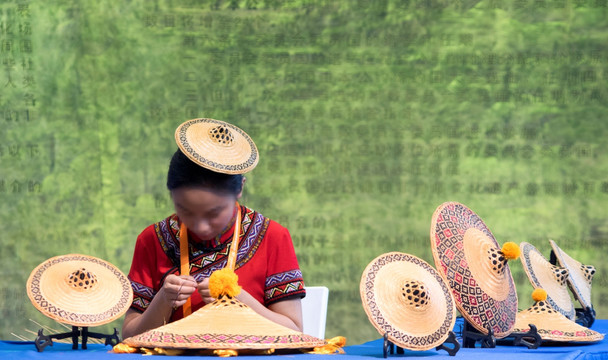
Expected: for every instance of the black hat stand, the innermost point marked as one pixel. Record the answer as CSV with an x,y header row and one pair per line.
x,y
43,341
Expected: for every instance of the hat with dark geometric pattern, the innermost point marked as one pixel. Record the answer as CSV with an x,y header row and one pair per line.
x,y
468,257
405,298
79,290
549,277
551,324
217,145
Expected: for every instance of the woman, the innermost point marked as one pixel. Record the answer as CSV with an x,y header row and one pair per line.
x,y
205,181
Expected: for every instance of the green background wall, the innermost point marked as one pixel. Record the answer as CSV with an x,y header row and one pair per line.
x,y
367,114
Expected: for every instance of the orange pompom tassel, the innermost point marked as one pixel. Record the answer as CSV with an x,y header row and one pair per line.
x,y
539,295
224,282
510,250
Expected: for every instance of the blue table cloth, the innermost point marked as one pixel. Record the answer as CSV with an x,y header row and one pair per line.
x,y
372,349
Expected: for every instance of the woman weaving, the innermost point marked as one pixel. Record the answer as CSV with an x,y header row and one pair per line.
x,y
205,179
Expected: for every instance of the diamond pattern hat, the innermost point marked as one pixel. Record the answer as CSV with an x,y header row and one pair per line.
x,y
579,275
549,277
551,324
79,290
217,146
468,257
406,298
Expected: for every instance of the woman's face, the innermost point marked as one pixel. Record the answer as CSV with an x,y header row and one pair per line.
x,y
205,212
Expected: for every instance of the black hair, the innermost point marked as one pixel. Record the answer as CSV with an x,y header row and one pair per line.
x,y
183,172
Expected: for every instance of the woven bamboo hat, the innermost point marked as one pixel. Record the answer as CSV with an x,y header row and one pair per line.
x,y
406,298
579,275
224,324
217,146
468,257
79,290
549,277
551,324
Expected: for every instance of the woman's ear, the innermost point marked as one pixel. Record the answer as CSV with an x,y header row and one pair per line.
x,y
242,186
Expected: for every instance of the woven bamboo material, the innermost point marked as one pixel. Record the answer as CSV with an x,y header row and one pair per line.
x,y
468,257
225,323
551,278
79,290
579,275
405,297
217,146
553,326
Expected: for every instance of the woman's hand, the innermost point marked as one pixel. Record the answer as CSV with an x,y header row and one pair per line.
x,y
177,289
203,289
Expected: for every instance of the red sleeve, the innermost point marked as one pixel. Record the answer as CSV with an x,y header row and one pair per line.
x,y
283,277
144,273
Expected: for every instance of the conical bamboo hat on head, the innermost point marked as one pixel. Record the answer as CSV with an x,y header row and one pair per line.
x,y
579,275
549,277
468,257
405,298
217,145
79,290
552,325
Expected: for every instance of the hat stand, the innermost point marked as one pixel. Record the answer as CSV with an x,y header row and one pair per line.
x,y
584,316
470,336
389,347
530,339
43,341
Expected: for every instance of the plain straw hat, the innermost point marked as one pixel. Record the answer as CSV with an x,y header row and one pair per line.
x,y
217,146
549,277
468,257
579,275
79,290
406,298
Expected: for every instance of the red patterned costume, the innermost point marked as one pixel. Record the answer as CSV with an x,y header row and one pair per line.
x,y
266,261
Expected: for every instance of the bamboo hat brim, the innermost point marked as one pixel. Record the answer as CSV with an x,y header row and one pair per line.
x,y
225,323
79,290
549,277
468,257
406,298
554,326
579,275
217,146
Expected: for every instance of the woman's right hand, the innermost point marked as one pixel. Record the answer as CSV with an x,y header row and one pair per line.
x,y
177,289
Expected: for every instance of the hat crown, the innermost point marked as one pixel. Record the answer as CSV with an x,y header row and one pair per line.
x,y
541,307
81,279
415,294
497,260
221,135
560,273
588,271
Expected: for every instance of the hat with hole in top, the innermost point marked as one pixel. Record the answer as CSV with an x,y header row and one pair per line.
x,y
406,298
468,257
217,145
79,290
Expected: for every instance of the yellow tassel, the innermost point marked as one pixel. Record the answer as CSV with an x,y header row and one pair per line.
x,y
169,352
225,353
148,351
124,349
224,282
510,250
334,345
539,295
